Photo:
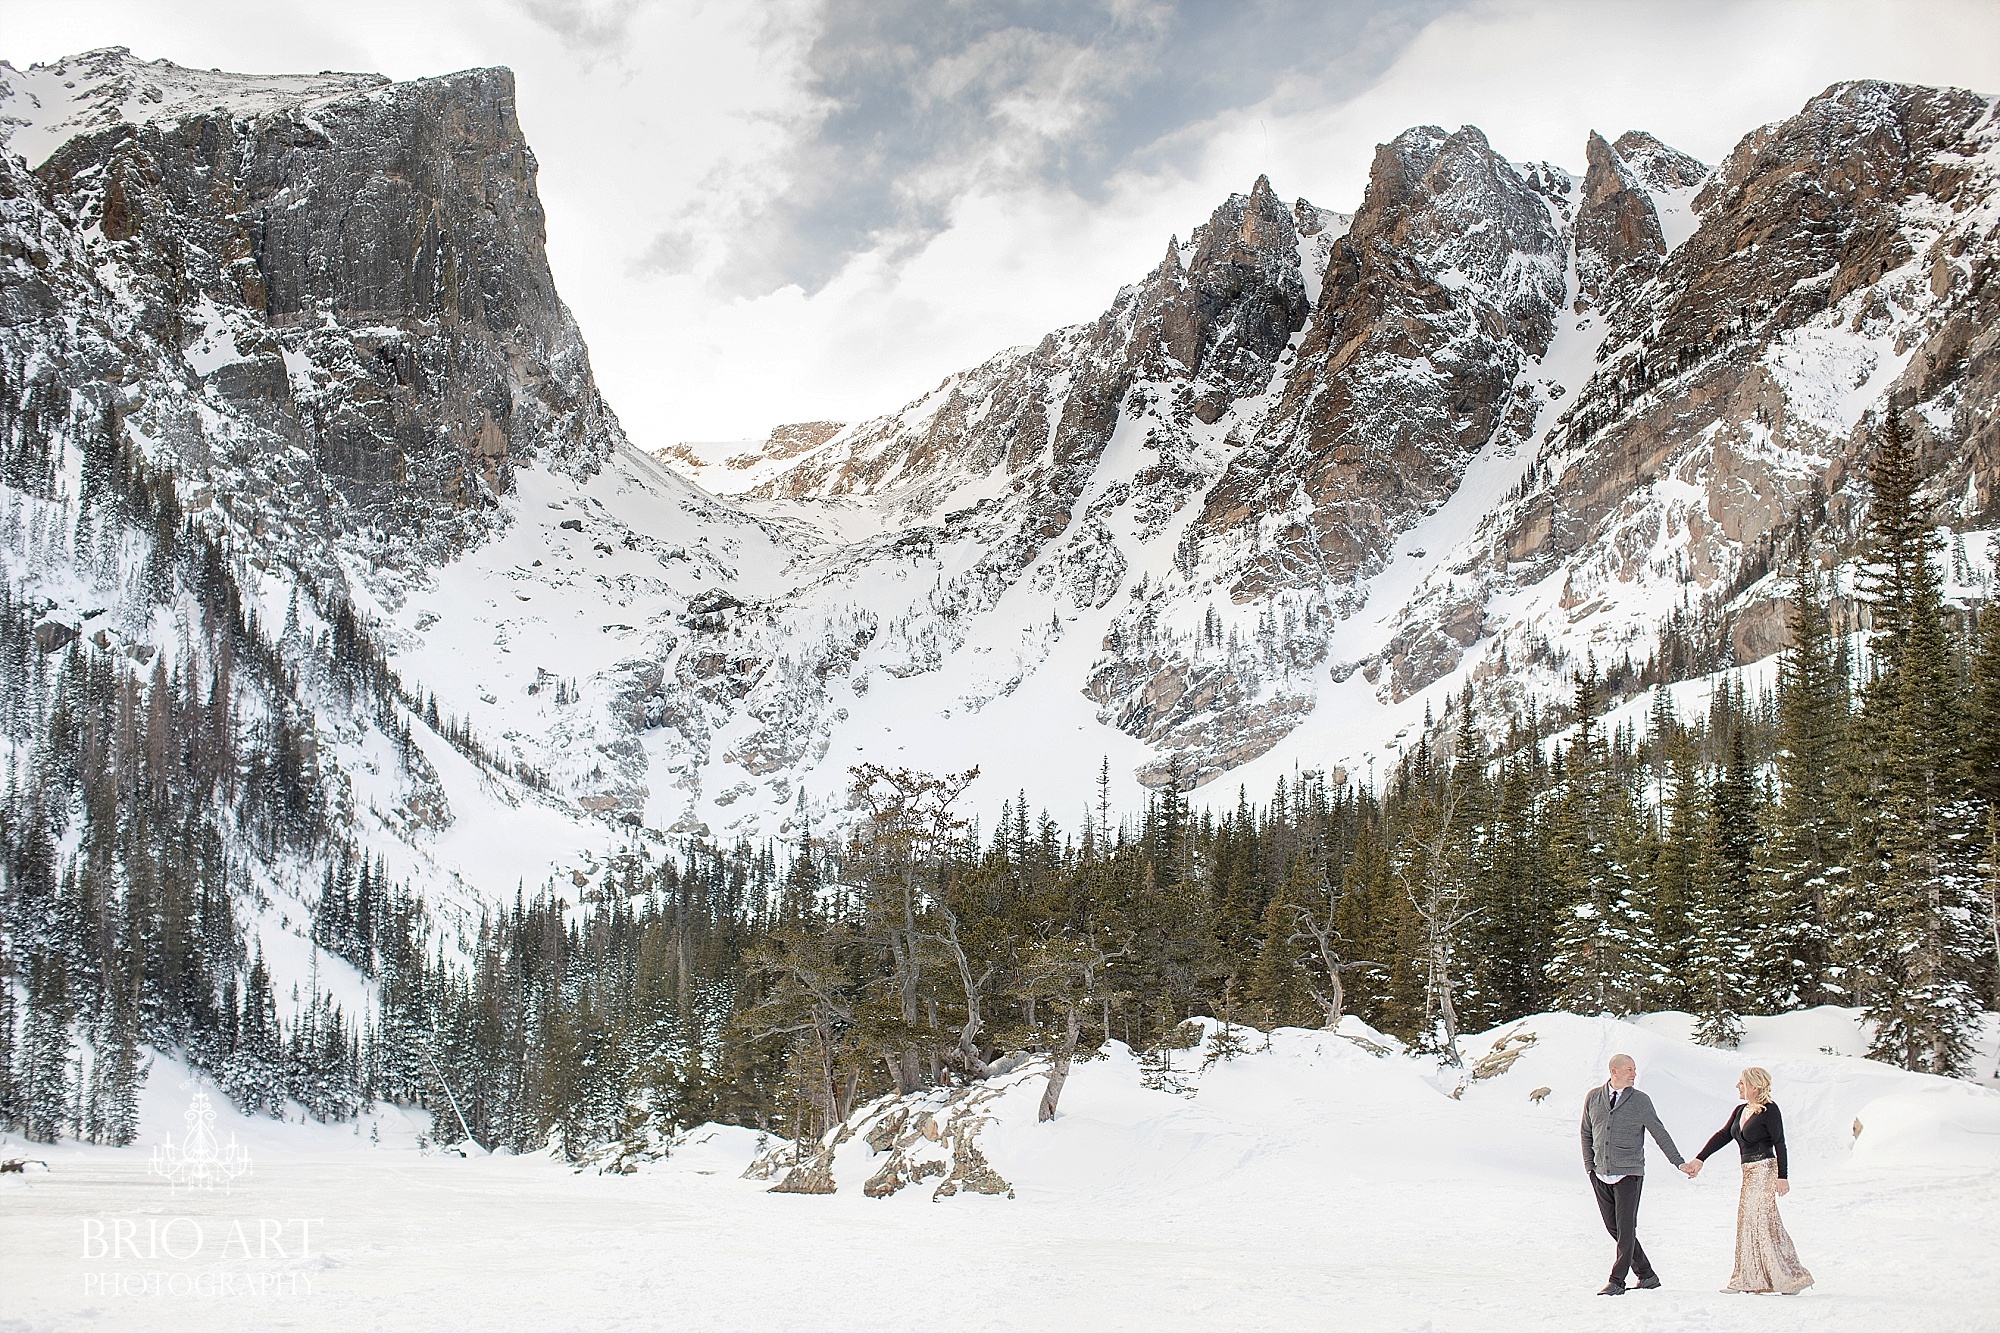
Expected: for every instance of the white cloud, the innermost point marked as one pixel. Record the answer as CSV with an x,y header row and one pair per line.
x,y
689,115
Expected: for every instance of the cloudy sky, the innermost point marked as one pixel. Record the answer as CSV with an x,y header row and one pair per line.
x,y
778,210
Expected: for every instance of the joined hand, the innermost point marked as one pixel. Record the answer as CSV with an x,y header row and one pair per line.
x,y
1693,1169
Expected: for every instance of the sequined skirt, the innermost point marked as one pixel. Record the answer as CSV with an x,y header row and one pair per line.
x,y
1765,1259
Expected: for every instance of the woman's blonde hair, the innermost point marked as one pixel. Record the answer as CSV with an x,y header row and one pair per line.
x,y
1759,1083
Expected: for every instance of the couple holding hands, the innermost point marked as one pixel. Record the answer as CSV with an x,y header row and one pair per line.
x,y
1616,1119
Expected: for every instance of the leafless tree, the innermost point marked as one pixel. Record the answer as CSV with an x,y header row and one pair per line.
x,y
1432,875
810,1002
1067,972
1320,932
947,939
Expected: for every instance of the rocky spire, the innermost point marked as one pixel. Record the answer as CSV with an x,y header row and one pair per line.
x,y
1244,298
1616,227
1454,263
1655,165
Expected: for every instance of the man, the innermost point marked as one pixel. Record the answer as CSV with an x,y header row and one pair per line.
x,y
1616,1119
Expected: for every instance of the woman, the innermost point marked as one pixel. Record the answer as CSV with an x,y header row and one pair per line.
x,y
1765,1259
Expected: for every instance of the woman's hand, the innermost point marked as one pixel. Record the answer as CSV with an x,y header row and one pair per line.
x,y
1784,1188
1691,1169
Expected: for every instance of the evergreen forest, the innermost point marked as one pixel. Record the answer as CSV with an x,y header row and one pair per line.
x,y
1832,839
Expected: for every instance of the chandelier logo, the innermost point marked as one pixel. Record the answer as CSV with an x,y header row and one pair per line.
x,y
198,1161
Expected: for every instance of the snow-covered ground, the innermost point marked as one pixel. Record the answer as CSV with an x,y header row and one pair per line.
x,y
1305,1184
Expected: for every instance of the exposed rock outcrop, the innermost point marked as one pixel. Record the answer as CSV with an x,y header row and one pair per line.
x,y
349,267
1655,165
1285,455
1308,457
1617,228
1450,276
1749,364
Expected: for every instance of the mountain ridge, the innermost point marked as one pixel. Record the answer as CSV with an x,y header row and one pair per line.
x,y
1314,474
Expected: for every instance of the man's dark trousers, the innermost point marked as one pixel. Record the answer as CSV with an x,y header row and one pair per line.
x,y
1619,1203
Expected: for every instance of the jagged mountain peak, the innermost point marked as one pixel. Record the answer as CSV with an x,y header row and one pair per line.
x,y
1210,318
1240,300
1461,206
1657,166
1438,349
371,289
1311,219
1310,473
1617,226
1258,223
1864,136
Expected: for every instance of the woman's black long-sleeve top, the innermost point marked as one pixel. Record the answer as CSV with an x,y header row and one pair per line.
x,y
1758,1138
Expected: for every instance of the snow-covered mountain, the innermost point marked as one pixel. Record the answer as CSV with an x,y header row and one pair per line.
x,y
1311,476
1317,472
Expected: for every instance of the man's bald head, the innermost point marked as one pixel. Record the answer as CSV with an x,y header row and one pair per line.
x,y
1623,1070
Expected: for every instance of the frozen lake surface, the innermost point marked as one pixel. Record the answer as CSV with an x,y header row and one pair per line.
x,y
1309,1184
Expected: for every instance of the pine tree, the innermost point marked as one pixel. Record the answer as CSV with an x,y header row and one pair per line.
x,y
1606,952
10,1096
1517,921
1278,985
1930,1017
1718,980
256,1073
1982,712
46,1045
1681,823
1734,829
124,1074
1794,938
1911,940
1992,869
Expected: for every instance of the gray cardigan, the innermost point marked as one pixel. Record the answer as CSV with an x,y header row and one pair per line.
x,y
1614,1142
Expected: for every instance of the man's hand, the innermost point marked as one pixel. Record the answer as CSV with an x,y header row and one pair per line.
x,y
1691,1169
1784,1188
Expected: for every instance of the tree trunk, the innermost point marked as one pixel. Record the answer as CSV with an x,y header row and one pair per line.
x,y
1993,883
847,1094
968,1051
913,967
829,1084
1450,1018
1059,1066
975,1019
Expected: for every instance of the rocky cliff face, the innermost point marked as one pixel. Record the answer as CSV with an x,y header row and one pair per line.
x,y
1840,267
352,271
1314,474
1521,419
308,323
1617,228
1447,281
1259,419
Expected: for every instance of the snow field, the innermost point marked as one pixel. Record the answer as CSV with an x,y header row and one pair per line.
x,y
1304,1184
